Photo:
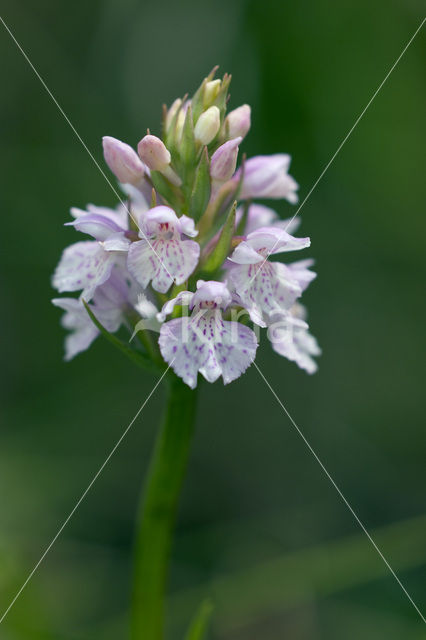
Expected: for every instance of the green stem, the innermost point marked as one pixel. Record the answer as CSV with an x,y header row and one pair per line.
x,y
158,511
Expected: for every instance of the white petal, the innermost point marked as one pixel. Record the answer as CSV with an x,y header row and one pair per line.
x,y
245,254
275,240
235,351
145,307
183,298
185,356
95,225
76,320
187,226
301,272
84,265
116,242
298,345
208,344
163,261
264,290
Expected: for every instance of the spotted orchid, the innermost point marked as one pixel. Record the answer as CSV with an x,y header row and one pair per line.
x,y
205,342
180,243
161,255
262,286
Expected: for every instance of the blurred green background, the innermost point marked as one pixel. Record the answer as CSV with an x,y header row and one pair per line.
x,y
261,529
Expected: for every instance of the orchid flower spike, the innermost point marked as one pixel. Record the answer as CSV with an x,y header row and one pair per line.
x,y
188,239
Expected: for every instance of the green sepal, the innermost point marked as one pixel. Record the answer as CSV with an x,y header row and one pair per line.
x,y
197,101
207,225
239,231
188,152
136,357
217,257
187,146
202,187
170,135
222,97
167,190
198,627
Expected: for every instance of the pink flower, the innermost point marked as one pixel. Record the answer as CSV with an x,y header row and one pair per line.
x,y
204,342
264,287
161,255
267,177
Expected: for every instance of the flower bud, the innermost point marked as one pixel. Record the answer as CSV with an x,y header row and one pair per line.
x,y
211,90
224,160
122,160
207,126
157,157
154,153
237,122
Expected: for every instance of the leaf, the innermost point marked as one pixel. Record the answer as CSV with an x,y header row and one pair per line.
x,y
217,257
242,223
187,145
135,356
188,152
167,190
200,621
222,97
202,187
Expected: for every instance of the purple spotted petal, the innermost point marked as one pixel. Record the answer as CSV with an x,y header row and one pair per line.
x,y
301,272
83,266
263,289
293,341
208,344
77,321
162,261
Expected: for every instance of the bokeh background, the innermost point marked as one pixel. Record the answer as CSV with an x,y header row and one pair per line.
x,y
261,529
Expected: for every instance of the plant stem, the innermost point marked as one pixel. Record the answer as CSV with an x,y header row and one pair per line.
x,y
158,511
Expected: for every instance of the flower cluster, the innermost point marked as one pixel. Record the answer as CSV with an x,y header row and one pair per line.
x,y
187,241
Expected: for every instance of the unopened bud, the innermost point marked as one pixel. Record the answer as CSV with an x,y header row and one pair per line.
x,y
211,90
237,122
207,126
154,153
122,160
224,160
